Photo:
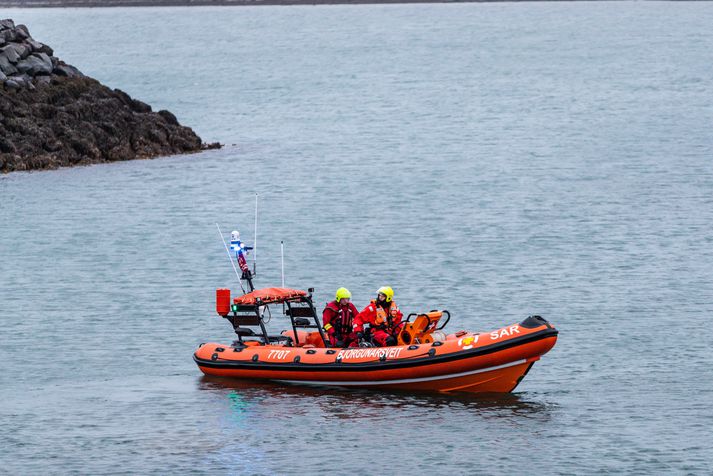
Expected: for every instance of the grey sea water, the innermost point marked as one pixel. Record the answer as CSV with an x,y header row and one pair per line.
x,y
496,160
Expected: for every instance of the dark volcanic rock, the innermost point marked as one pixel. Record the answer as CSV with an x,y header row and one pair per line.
x,y
77,120
37,64
10,52
22,33
66,70
5,65
12,84
51,115
38,47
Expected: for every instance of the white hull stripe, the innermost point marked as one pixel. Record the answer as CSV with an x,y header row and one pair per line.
x,y
401,381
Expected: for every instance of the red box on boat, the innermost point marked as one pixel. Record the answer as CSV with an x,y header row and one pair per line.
x,y
222,301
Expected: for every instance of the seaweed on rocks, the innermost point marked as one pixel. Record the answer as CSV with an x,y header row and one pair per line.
x,y
52,115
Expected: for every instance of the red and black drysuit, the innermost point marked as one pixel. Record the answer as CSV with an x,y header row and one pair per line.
x,y
338,321
384,320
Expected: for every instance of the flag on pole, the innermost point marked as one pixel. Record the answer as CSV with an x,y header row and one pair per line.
x,y
240,251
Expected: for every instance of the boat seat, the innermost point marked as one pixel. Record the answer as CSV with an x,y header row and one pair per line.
x,y
302,322
249,320
299,312
244,332
280,338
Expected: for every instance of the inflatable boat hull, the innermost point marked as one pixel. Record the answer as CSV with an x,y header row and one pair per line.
x,y
464,362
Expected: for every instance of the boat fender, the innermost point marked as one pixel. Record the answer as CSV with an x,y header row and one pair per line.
x,y
201,345
296,359
431,352
412,347
382,357
311,351
255,357
331,351
338,359
437,344
214,357
238,349
219,349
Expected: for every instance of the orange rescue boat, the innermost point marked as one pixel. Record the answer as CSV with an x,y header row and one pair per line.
x,y
426,359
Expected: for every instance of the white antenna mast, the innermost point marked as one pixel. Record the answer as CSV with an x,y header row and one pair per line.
x,y
282,259
230,258
255,241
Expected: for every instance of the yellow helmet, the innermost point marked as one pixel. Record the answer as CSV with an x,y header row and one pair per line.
x,y
343,293
386,291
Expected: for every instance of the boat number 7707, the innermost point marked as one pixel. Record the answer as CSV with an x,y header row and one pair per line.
x,y
278,354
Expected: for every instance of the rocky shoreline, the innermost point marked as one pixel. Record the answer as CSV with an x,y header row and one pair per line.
x,y
51,115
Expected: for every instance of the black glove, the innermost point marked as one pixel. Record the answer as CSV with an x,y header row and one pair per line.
x,y
339,343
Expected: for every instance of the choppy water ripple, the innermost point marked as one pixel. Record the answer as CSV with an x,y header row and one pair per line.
x,y
497,160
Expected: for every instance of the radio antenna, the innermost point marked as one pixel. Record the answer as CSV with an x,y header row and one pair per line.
x,y
282,260
255,241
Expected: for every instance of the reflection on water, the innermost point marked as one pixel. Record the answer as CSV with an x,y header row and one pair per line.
x,y
372,431
336,403
239,406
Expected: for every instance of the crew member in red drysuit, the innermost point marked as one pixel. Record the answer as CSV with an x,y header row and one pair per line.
x,y
384,318
338,319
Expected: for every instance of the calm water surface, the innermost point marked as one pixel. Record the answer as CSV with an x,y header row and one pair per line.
x,y
496,160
